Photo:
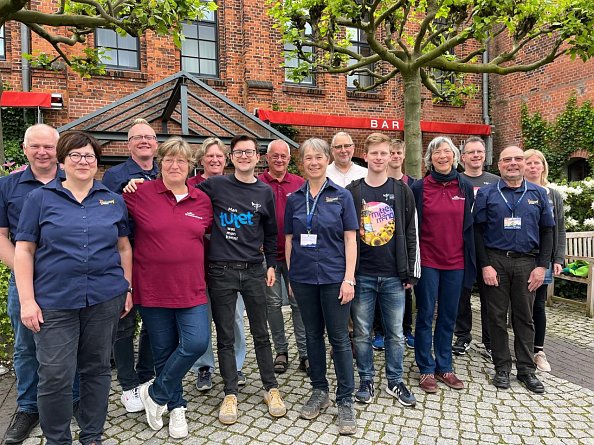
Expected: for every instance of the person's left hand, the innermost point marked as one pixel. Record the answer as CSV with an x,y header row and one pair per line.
x,y
127,305
536,278
270,277
347,293
557,268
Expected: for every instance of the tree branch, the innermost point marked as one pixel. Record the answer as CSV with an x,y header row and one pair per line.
x,y
29,17
431,12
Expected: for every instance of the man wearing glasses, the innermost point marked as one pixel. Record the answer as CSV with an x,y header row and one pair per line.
x,y
283,184
142,143
244,222
343,170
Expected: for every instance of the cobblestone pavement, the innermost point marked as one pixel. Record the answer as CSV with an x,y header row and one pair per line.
x,y
479,413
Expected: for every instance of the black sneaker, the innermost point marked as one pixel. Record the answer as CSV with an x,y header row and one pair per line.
x,y
501,380
346,421
460,346
488,354
401,393
204,380
21,426
365,392
241,379
531,382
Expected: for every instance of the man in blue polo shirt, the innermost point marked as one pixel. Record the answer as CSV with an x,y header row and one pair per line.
x,y
39,146
514,239
142,143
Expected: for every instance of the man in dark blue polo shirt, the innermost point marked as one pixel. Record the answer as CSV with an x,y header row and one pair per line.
x,y
514,239
142,143
39,146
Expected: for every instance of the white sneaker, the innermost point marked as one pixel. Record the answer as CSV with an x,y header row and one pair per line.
x,y
154,412
541,362
131,400
178,427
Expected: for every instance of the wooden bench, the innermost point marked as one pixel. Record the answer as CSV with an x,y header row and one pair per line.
x,y
580,246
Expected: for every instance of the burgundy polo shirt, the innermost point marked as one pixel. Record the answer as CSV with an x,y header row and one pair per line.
x,y
168,269
441,242
282,190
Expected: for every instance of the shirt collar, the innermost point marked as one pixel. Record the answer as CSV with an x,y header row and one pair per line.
x,y
161,188
56,184
27,175
133,167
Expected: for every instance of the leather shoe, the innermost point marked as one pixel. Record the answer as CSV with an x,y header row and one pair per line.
x,y
531,382
428,383
450,379
21,426
501,380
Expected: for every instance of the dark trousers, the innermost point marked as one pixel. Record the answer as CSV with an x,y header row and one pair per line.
x,y
406,320
539,317
321,311
223,285
123,354
71,339
513,276
464,319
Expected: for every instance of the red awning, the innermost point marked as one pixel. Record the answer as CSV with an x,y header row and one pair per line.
x,y
368,123
23,99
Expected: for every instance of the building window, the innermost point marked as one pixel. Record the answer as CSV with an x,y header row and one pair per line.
x,y
359,45
2,44
199,48
293,60
119,51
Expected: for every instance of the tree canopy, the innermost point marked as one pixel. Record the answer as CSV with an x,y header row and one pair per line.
x,y
422,39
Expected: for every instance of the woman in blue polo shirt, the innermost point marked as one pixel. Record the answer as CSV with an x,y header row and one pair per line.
x,y
73,265
321,250
446,240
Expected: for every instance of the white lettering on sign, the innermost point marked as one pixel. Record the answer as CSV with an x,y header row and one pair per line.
x,y
385,124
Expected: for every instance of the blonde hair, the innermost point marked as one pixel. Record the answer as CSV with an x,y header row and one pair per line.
x,y
545,172
376,138
201,152
175,146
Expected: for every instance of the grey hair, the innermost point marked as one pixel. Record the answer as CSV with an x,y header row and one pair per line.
x,y
271,143
35,127
436,143
341,133
317,145
203,149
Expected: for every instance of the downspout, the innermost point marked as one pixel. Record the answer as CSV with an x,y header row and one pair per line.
x,y
486,116
26,67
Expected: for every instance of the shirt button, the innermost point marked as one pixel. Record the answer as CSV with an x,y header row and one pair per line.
x,y
82,207
84,261
84,245
85,231
84,217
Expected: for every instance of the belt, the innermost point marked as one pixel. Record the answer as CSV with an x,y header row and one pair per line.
x,y
239,265
512,254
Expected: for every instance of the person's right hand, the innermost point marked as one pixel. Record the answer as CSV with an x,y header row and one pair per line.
x,y
490,276
31,315
131,187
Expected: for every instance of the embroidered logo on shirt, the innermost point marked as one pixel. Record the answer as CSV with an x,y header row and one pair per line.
x,y
388,196
192,215
533,201
331,198
256,205
105,202
458,198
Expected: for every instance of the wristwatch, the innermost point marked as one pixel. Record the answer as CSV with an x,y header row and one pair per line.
x,y
351,282
130,289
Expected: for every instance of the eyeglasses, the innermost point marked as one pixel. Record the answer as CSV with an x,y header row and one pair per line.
x,y
170,162
517,159
77,157
277,157
248,153
343,146
139,137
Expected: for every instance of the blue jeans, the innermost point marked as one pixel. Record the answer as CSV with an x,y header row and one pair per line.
x,y
274,303
442,287
207,359
71,340
321,311
389,292
25,358
178,337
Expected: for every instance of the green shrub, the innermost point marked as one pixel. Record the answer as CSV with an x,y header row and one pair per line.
x,y
6,334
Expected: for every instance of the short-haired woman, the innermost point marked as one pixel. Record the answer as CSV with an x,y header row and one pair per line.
x,y
73,265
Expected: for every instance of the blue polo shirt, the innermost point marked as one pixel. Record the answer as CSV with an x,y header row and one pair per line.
x,y
116,178
334,214
13,190
533,209
77,263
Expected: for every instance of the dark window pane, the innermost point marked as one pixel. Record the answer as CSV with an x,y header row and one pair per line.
x,y
127,42
128,59
207,33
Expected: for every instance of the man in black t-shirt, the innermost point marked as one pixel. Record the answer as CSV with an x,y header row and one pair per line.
x,y
387,264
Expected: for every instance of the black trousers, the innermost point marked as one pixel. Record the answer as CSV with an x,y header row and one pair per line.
x,y
464,320
513,276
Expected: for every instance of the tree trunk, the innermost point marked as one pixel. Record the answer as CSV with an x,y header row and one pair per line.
x,y
412,123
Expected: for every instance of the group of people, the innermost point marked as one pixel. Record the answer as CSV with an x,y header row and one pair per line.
x,y
90,258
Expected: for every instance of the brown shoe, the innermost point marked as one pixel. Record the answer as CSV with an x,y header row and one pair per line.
x,y
450,379
428,383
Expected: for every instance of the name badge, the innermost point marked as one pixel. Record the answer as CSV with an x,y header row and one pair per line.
x,y
309,240
512,223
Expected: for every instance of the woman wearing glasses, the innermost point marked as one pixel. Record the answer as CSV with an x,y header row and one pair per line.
x,y
73,265
168,276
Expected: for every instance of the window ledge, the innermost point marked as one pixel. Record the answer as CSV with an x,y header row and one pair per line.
x,y
259,85
5,65
303,89
354,94
213,82
445,104
124,74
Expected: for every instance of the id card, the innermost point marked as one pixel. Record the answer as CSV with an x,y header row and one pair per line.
x,y
512,223
309,240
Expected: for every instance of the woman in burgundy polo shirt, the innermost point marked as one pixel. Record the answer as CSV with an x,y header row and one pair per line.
x,y
171,219
444,202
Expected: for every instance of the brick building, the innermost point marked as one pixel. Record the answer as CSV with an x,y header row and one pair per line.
x,y
237,53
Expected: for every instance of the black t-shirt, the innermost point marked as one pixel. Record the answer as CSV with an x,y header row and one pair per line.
x,y
377,229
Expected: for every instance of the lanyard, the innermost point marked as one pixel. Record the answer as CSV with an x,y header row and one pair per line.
x,y
506,201
309,214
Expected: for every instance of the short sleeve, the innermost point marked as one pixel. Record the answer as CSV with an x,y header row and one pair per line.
x,y
131,199
349,213
289,216
3,204
123,223
28,228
